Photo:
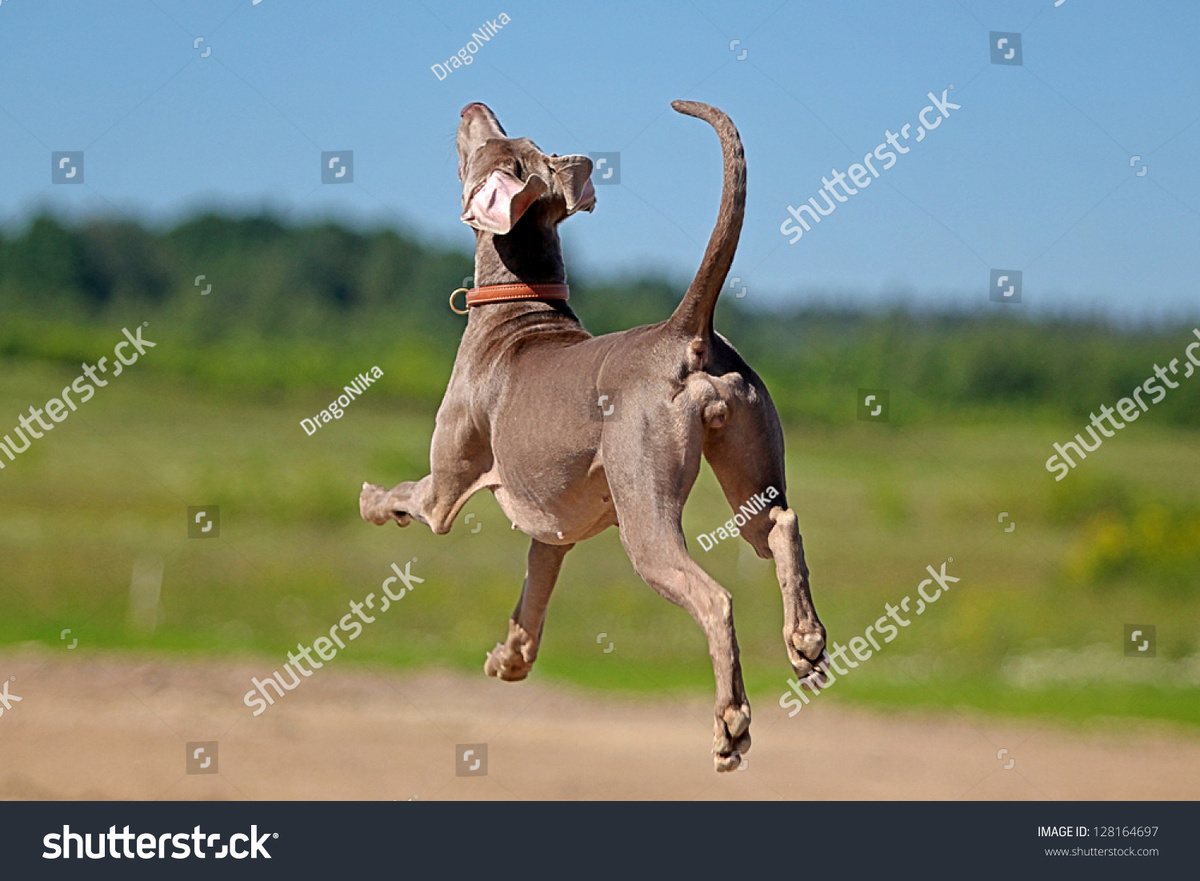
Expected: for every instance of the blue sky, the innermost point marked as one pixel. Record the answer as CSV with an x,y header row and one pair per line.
x,y
1033,173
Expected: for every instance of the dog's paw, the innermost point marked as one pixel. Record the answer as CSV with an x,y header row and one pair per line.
x,y
374,507
805,648
503,663
731,737
814,676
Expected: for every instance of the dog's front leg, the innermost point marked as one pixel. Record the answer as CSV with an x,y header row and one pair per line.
x,y
512,660
460,458
402,503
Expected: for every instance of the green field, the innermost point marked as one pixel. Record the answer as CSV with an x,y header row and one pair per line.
x,y
1035,627
211,416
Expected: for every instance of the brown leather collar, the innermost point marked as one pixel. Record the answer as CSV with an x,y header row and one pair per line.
x,y
504,293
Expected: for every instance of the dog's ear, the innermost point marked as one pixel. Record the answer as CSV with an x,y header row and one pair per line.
x,y
573,174
499,203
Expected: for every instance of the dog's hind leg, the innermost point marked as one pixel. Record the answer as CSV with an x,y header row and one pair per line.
x,y
658,553
650,482
512,660
746,454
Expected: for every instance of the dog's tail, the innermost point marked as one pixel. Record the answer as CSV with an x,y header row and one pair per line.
x,y
694,315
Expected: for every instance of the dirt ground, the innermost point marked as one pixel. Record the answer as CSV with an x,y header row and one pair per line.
x,y
101,726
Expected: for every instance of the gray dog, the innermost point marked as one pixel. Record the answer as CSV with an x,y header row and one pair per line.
x,y
574,433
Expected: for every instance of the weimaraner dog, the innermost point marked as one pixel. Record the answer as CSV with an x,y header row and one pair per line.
x,y
574,433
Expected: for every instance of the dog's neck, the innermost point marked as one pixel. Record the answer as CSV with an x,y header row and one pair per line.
x,y
531,254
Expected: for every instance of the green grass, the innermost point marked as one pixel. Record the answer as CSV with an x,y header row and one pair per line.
x,y
110,486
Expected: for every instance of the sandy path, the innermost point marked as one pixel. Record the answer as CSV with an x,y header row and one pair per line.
x,y
103,726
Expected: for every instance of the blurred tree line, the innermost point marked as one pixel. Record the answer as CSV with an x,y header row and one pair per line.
x,y
304,307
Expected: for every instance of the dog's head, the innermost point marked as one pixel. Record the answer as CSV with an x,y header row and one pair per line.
x,y
505,178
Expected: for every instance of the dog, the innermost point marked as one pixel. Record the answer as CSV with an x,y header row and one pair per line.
x,y
574,433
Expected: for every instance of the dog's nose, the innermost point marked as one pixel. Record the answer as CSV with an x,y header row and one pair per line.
x,y
474,105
